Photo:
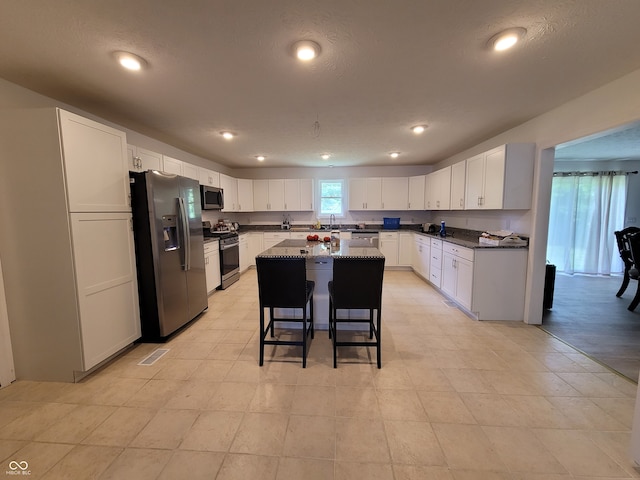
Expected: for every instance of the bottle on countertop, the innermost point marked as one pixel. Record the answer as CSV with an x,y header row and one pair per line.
x,y
443,230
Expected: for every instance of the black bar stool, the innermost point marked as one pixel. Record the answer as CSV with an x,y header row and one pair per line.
x,y
356,284
282,283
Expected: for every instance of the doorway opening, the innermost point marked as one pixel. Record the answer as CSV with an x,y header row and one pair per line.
x,y
593,195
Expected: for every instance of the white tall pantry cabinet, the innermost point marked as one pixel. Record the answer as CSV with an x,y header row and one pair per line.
x,y
67,243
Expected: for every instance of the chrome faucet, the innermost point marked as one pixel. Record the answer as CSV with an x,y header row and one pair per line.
x,y
332,220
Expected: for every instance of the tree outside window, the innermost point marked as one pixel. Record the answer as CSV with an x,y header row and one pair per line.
x,y
331,198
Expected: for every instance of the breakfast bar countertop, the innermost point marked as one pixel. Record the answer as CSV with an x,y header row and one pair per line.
x,y
310,249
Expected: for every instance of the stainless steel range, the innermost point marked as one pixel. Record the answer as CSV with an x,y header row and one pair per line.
x,y
229,253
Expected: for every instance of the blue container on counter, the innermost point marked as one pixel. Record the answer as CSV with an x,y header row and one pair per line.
x,y
391,223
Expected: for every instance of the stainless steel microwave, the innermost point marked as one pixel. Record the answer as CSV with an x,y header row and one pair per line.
x,y
212,198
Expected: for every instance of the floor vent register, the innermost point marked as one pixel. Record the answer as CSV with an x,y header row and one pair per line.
x,y
154,356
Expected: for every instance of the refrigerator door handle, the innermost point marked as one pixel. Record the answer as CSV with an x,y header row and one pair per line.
x,y
186,234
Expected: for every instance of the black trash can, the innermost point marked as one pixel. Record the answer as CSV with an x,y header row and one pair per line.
x,y
549,284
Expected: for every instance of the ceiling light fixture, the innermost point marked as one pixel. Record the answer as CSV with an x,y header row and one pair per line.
x,y
306,50
394,154
418,129
325,156
227,135
260,158
130,61
506,39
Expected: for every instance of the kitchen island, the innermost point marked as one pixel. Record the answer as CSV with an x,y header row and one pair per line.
x,y
319,257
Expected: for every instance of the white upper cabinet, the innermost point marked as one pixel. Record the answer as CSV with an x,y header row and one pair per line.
x,y
306,194
283,195
245,195
190,171
178,167
171,165
365,194
229,187
292,194
260,195
438,191
416,192
458,172
268,195
141,160
501,178
208,177
95,163
395,193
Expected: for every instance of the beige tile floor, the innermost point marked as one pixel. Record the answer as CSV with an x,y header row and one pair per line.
x,y
455,399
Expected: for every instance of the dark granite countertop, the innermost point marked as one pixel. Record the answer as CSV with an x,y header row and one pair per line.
x,y
457,236
303,248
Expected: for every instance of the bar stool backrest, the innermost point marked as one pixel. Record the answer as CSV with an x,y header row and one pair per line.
x,y
357,282
282,281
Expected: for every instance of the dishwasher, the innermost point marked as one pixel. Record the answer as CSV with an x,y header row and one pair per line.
x,y
370,235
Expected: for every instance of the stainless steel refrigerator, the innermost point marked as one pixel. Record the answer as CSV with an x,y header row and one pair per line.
x,y
167,226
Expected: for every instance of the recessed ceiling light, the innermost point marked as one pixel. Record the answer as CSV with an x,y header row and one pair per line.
x,y
506,39
418,129
394,154
227,135
130,61
325,156
306,50
260,158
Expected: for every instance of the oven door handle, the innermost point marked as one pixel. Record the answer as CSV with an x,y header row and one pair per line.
x,y
226,247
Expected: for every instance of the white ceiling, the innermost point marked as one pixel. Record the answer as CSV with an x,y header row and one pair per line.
x,y
385,66
618,144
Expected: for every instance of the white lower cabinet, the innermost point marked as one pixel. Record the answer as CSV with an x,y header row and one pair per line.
x,y
421,255
107,286
489,283
435,262
255,246
457,273
212,265
270,239
244,252
388,245
405,249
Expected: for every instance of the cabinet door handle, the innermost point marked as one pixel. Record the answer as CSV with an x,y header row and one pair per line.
x,y
462,202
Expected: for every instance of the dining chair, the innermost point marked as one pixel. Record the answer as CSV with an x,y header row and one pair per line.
x,y
622,239
356,284
634,247
282,283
